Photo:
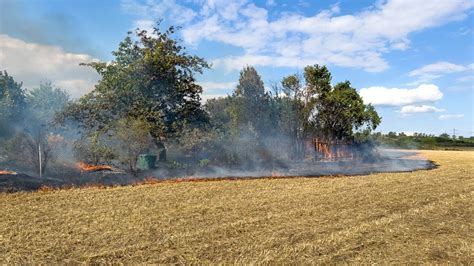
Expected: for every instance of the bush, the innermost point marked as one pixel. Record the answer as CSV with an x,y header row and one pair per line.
x,y
22,149
90,150
134,138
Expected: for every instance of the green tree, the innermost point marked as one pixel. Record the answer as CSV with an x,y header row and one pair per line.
x,y
317,87
151,78
318,81
344,111
249,108
12,103
292,115
218,112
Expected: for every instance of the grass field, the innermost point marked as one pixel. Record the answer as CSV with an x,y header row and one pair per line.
x,y
423,216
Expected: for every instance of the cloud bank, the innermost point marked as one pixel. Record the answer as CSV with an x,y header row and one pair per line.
x,y
382,96
413,109
291,39
451,116
32,63
436,70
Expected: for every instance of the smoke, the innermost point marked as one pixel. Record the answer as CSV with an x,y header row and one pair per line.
x,y
245,137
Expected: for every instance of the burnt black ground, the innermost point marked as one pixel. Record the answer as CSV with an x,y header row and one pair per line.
x,y
392,161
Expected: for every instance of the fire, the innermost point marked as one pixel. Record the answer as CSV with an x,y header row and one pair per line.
x,y
88,167
6,172
333,150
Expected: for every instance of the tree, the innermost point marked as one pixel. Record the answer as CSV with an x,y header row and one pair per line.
x,y
12,103
318,81
44,102
444,136
152,79
218,112
292,116
39,134
249,108
335,112
32,112
342,111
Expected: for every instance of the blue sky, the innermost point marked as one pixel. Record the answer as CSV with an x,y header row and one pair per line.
x,y
412,59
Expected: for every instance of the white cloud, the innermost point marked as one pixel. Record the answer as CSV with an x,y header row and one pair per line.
x,y
206,97
433,71
356,40
451,116
144,24
398,97
32,63
215,89
437,68
210,85
411,109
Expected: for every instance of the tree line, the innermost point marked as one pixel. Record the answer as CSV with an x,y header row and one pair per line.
x,y
148,100
421,140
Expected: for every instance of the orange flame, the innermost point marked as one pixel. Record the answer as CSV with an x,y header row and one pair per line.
x,y
333,150
89,168
6,172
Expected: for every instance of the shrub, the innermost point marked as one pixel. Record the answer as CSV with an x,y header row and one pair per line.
x,y
91,150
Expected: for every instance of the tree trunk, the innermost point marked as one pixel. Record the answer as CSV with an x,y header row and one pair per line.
x,y
160,145
162,151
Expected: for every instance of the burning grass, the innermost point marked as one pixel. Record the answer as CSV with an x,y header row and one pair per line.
x,y
7,172
90,168
413,217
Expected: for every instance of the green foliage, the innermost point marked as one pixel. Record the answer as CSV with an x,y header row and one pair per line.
x,y
30,113
249,108
342,111
255,125
92,149
12,103
318,80
422,141
218,110
151,78
134,138
44,102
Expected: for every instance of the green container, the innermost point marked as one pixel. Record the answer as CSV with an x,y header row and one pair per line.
x,y
146,161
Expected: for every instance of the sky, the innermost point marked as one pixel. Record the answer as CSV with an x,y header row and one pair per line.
x,y
412,59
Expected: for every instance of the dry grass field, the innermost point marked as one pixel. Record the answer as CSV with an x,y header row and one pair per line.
x,y
423,216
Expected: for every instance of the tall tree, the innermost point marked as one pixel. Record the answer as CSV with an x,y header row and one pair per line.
x,y
292,116
151,79
250,103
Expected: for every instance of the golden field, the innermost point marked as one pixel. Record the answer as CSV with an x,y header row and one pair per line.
x,y
421,216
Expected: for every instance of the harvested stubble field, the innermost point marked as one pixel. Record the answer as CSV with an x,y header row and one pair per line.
x,y
422,216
